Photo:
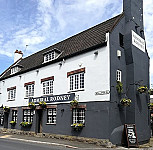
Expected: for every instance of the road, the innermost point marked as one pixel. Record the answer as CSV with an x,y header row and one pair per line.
x,y
17,144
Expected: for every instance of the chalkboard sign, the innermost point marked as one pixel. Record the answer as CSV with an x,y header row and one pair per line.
x,y
131,135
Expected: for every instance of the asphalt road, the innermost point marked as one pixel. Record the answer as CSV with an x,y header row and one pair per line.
x,y
9,144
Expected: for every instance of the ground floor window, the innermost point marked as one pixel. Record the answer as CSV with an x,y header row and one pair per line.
x,y
51,115
78,115
14,115
28,115
1,120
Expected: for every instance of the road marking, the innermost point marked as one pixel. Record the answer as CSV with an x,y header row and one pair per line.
x,y
39,142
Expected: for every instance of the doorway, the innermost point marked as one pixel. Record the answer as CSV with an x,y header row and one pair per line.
x,y
6,119
39,120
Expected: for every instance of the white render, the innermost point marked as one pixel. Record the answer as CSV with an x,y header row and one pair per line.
x,y
97,78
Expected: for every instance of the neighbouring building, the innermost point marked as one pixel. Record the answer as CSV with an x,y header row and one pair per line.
x,y
88,67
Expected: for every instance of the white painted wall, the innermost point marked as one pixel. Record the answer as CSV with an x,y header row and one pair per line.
x,y
97,78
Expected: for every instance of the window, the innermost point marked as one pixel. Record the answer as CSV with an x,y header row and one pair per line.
x,y
118,75
47,87
121,40
29,90
76,81
1,119
14,115
11,93
78,115
28,115
51,115
49,57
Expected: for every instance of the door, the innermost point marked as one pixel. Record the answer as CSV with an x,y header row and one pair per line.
x,y
39,121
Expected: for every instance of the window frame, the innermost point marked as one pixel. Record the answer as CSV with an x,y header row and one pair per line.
x,y
49,87
119,75
52,116
77,82
77,116
29,116
49,56
28,92
14,115
1,119
11,93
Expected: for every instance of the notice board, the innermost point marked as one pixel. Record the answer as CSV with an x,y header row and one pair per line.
x,y
130,135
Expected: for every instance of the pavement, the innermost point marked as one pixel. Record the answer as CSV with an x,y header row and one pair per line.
x,y
68,144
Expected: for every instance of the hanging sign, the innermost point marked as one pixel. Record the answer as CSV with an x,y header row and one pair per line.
x,y
130,135
138,41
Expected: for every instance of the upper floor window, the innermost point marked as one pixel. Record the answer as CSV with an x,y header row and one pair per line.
x,y
118,75
47,85
29,89
76,79
15,69
51,55
11,93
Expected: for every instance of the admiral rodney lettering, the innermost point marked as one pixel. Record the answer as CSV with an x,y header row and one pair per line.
x,y
54,98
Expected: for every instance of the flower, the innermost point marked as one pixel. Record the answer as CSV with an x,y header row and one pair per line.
x,y
125,101
12,122
142,89
25,124
150,91
31,105
77,126
74,102
6,108
42,103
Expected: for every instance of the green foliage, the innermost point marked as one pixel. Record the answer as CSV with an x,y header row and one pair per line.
x,y
125,101
119,87
77,126
32,105
150,91
12,122
142,89
25,124
74,102
42,103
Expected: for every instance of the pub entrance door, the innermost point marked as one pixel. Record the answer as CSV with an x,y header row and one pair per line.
x,y
39,120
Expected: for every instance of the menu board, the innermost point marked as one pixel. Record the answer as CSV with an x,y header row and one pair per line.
x,y
131,135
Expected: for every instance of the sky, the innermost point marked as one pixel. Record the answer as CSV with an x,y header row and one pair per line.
x,y
41,23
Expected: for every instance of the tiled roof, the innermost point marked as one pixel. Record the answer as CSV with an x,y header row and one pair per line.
x,y
82,42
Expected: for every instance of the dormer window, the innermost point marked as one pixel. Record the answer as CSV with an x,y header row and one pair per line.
x,y
51,55
15,69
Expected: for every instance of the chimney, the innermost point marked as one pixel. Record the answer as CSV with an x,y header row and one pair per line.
x,y
17,55
133,10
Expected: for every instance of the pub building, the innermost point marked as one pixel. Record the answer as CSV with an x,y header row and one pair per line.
x,y
103,68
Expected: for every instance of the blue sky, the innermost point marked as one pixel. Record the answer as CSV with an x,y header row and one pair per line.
x,y
41,23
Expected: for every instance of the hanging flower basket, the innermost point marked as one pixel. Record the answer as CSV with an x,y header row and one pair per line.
x,y
150,91
6,109
77,126
125,102
13,123
119,87
74,103
31,105
25,124
150,106
42,104
142,89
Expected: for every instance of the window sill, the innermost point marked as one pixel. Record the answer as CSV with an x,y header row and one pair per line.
x,y
10,100
76,90
50,123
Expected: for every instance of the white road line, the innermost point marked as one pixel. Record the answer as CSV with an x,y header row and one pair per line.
x,y
39,142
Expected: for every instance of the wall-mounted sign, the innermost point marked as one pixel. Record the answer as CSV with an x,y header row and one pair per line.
x,y
138,41
102,92
54,98
130,135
